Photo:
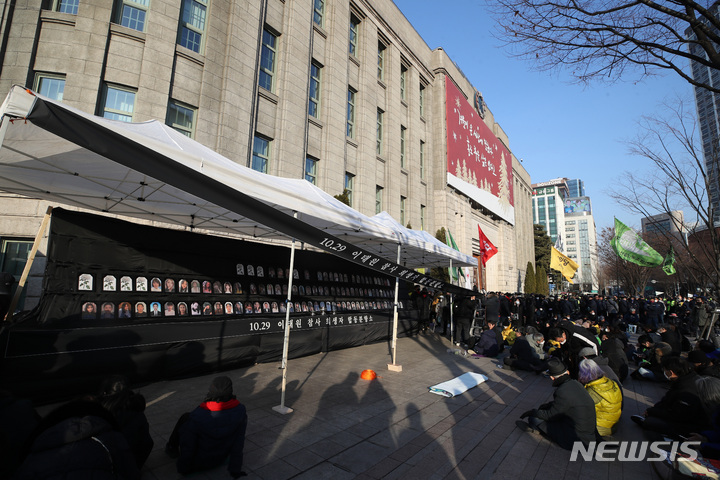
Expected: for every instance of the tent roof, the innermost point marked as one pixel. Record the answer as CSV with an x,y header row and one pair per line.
x,y
150,171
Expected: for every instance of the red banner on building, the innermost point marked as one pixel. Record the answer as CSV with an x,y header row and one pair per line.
x,y
478,164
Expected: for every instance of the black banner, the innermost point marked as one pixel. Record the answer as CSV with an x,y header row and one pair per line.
x,y
220,305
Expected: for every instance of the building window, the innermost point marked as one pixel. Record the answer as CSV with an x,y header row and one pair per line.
x,y
378,149
403,78
192,24
181,118
353,41
351,114
311,170
402,146
381,60
422,217
267,60
402,210
319,12
66,6
378,199
422,160
422,100
13,257
261,154
51,86
119,103
349,181
314,105
131,14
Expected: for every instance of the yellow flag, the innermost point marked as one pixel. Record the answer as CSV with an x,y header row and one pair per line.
x,y
563,264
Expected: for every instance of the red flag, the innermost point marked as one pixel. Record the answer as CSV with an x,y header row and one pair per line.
x,y
487,249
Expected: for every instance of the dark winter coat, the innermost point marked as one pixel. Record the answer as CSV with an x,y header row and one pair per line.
x,y
134,425
213,431
81,443
492,308
613,350
487,345
570,416
681,404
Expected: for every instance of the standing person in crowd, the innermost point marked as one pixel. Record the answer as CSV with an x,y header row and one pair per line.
x,y
78,440
700,316
463,319
570,417
128,408
492,307
205,437
606,394
422,300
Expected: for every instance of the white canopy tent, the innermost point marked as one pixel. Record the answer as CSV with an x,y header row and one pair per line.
x,y
150,171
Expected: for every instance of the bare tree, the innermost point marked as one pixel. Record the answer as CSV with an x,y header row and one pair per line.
x,y
610,39
630,277
680,179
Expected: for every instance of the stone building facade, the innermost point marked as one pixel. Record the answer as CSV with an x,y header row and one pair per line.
x,y
343,93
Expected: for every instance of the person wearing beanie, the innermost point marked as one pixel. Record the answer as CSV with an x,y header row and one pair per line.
x,y
570,417
211,433
702,364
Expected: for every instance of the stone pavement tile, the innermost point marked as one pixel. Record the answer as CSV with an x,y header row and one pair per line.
x,y
277,470
326,448
345,438
325,471
360,457
382,469
303,459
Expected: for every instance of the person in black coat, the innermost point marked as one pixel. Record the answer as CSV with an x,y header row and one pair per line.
x,y
488,344
570,417
670,335
18,419
77,440
572,339
680,411
128,408
613,349
205,437
463,319
492,307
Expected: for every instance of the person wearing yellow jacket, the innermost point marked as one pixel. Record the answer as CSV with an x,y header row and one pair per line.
x,y
606,394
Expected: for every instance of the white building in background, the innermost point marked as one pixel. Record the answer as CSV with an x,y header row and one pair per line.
x,y
570,218
672,223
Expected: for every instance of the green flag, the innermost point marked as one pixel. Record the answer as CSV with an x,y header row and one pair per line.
x,y
629,246
451,243
669,261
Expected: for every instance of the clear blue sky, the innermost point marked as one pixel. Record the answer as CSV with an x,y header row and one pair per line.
x,y
559,129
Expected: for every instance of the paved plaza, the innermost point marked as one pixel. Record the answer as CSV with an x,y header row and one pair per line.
x,y
344,427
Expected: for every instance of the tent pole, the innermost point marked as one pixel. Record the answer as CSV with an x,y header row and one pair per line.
x,y
394,367
28,264
452,323
286,340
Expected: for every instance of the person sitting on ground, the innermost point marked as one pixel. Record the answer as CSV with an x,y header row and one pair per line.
x,y
709,349
709,391
570,417
613,349
606,394
128,408
680,411
644,350
670,335
80,439
509,335
205,437
602,362
527,353
487,345
652,370
18,419
702,364
572,338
